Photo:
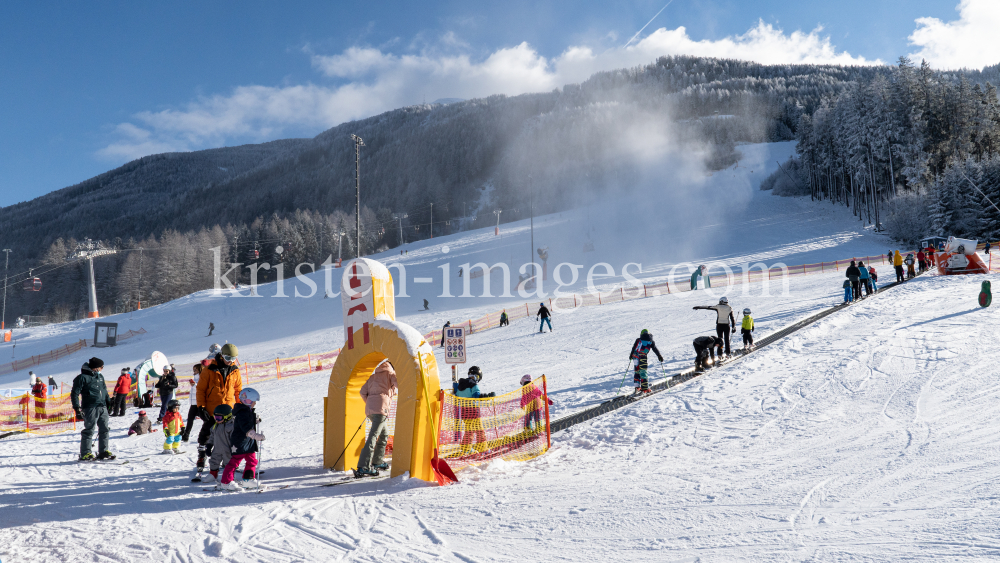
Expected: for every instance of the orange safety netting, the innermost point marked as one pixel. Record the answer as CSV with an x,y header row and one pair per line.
x,y
513,426
26,413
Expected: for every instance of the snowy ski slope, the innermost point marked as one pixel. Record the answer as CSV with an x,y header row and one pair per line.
x,y
867,436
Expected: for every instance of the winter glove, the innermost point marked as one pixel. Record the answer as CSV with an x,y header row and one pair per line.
x,y
660,358
79,414
255,435
490,394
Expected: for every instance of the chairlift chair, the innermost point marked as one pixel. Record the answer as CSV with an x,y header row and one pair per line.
x,y
33,284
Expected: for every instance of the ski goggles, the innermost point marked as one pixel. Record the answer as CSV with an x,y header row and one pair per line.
x,y
228,359
220,418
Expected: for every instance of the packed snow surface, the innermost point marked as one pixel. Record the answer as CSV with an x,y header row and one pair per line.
x,y
866,436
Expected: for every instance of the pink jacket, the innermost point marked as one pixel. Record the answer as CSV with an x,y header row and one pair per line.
x,y
379,390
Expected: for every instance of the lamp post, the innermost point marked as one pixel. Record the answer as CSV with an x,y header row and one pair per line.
x,y
432,220
497,212
531,211
399,217
3,316
340,247
358,143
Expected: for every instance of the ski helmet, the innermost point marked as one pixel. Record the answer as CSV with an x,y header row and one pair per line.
x,y
476,373
214,349
723,300
525,379
249,396
644,332
173,403
541,304
230,350
746,311
223,410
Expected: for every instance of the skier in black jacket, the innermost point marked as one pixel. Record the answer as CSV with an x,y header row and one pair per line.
x,y
854,274
704,346
545,315
243,441
90,403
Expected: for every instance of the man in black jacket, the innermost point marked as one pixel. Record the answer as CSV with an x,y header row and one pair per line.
x,y
704,346
854,274
90,398
166,385
545,315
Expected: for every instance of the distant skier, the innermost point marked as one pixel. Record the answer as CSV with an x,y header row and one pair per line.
x,y
211,327
443,330
704,347
897,263
725,322
543,313
639,355
699,273
854,274
504,320
244,440
864,279
746,329
52,384
426,305
122,387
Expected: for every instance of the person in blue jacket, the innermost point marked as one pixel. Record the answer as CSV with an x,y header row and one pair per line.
x,y
468,387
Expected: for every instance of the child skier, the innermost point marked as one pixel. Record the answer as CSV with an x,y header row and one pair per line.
x,y
142,425
848,291
173,427
244,442
746,330
222,450
909,266
531,402
874,278
640,351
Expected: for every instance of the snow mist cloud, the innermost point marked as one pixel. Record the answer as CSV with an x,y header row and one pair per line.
x,y
968,42
368,81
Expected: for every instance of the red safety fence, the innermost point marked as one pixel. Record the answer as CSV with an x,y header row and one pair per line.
x,y
26,413
513,426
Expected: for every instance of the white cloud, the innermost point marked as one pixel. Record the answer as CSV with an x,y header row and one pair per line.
x,y
968,42
370,81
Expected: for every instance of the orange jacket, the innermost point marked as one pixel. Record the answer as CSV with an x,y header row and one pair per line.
x,y
214,389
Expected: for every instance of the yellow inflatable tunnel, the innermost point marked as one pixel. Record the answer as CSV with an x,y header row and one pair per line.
x,y
414,440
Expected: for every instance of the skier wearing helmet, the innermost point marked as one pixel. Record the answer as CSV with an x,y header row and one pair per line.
x,y
220,384
173,427
725,322
544,314
746,329
640,351
243,442
468,411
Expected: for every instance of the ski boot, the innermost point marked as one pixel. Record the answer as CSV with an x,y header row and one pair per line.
x,y
106,455
230,486
365,472
381,466
87,457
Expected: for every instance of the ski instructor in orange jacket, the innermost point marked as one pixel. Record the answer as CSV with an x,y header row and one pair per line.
x,y
220,383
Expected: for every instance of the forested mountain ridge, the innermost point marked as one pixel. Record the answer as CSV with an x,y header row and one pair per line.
x,y
462,158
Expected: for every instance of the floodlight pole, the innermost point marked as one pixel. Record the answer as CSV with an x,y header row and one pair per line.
x,y
497,212
399,217
3,316
358,143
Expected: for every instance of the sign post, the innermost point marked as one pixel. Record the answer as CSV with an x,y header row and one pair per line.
x,y
454,345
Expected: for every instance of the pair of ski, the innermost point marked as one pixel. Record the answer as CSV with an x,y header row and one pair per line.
x,y
261,489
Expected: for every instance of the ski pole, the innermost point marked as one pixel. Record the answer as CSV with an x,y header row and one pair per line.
x,y
349,442
623,377
260,458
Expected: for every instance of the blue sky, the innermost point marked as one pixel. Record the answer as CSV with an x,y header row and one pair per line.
x,y
90,86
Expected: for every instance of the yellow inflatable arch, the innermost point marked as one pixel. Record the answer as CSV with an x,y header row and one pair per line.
x,y
373,336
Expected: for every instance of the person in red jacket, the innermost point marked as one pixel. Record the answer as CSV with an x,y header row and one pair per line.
x,y
122,388
40,391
